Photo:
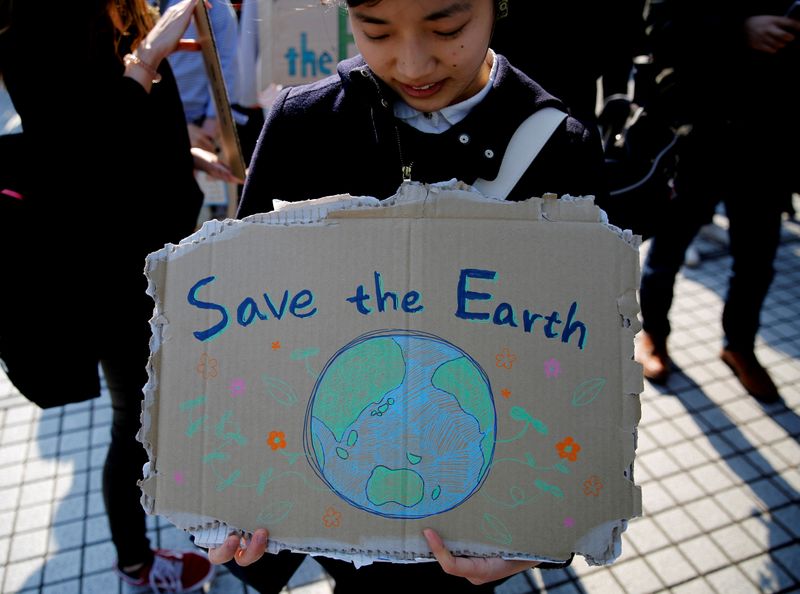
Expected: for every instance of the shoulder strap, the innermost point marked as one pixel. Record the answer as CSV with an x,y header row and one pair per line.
x,y
522,149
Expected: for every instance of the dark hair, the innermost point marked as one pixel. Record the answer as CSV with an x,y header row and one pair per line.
x,y
501,6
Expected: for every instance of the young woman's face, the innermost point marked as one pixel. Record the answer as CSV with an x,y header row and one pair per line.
x,y
433,53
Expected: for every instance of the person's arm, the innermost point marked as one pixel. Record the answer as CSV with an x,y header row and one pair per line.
x,y
770,34
160,42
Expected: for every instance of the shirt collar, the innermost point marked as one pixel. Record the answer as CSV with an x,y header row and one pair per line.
x,y
436,122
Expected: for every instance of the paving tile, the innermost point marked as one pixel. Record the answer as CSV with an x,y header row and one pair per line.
x,y
677,524
790,422
68,587
666,434
553,577
771,492
714,419
34,516
226,583
46,447
22,574
695,586
37,492
670,566
659,463
789,558
518,584
742,468
62,566
636,576
708,514
738,440
97,529
766,531
7,522
74,440
710,478
5,544
101,583
70,508
645,535
767,460
14,435
763,431
99,557
788,449
97,456
703,554
682,488
27,545
9,498
655,498
317,588
20,414
95,505
600,581
48,427
730,579
37,469
66,536
688,454
766,574
738,502
13,453
101,436
73,421
735,543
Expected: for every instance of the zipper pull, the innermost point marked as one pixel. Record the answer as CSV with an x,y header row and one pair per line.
x,y
407,172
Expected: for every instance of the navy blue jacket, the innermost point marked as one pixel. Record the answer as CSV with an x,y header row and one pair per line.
x,y
339,135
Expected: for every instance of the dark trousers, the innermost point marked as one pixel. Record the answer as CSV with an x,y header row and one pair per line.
x,y
270,573
753,196
125,377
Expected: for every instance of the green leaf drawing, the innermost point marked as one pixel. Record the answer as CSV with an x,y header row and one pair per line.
x,y
560,467
587,391
548,488
279,390
275,513
495,530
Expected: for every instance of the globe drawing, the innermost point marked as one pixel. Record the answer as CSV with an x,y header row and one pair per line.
x,y
401,424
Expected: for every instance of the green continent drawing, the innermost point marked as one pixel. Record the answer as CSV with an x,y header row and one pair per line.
x,y
401,424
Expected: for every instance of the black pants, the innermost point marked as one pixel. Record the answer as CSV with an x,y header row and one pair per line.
x,y
270,573
744,176
125,377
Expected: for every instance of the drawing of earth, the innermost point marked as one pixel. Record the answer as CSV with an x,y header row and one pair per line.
x,y
401,424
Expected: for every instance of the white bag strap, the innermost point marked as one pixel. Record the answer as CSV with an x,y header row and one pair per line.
x,y
523,147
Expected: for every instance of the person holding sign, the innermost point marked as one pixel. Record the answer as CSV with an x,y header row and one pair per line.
x,y
96,71
427,100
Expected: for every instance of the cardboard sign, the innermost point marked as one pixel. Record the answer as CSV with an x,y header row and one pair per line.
x,y
347,372
301,41
229,139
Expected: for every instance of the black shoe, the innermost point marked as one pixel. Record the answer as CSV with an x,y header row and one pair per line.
x,y
752,375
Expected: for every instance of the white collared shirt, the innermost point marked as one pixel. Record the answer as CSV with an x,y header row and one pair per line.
x,y
436,122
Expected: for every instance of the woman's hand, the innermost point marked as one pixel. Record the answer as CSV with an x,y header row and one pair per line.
x,y
770,34
209,163
236,547
478,570
163,38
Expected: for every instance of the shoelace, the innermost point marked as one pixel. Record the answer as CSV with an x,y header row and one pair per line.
x,y
165,575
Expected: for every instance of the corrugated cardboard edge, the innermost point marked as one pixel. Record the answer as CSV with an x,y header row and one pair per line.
x,y
599,546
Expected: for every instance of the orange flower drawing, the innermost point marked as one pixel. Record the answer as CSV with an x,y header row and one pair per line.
x,y
506,393
276,440
332,518
568,449
207,367
506,359
592,486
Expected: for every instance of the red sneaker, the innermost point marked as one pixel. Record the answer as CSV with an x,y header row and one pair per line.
x,y
172,571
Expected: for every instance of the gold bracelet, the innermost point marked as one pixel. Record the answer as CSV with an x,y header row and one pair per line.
x,y
136,61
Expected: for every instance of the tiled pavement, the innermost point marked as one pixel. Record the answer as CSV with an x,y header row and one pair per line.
x,y
720,474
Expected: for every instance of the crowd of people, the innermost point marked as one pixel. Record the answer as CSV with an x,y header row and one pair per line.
x,y
429,73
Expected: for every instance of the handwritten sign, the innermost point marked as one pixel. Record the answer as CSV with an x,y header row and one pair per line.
x,y
340,370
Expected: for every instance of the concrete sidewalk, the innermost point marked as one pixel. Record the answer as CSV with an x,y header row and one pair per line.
x,y
719,473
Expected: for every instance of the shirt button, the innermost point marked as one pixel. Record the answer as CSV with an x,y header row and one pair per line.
x,y
488,153
384,102
464,138
364,73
